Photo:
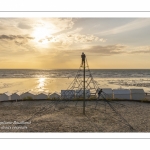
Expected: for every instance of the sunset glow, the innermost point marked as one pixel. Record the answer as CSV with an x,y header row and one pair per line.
x,y
40,33
57,43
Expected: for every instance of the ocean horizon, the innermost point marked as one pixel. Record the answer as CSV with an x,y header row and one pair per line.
x,y
70,73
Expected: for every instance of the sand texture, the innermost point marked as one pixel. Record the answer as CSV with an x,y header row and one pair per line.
x,y
52,116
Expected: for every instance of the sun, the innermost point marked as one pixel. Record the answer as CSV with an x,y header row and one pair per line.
x,y
40,34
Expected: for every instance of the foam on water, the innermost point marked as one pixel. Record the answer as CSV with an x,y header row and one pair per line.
x,y
65,73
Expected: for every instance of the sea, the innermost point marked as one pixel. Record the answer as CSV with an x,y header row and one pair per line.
x,y
22,80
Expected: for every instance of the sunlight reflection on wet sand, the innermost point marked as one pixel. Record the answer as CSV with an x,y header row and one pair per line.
x,y
57,84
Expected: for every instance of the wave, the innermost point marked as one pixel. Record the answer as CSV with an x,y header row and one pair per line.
x,y
70,73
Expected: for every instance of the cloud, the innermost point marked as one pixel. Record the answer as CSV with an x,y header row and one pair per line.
x,y
24,26
106,50
117,49
136,24
69,39
140,50
27,25
96,50
2,28
16,45
86,38
61,33
18,39
13,37
60,23
144,51
83,38
77,30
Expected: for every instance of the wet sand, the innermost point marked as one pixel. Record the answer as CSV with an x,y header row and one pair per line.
x,y
52,116
51,85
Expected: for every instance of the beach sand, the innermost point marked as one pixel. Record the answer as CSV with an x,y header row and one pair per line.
x,y
52,116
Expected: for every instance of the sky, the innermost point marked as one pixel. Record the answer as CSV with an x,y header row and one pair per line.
x,y
57,43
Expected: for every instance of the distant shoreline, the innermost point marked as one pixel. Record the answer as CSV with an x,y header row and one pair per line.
x,y
74,69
